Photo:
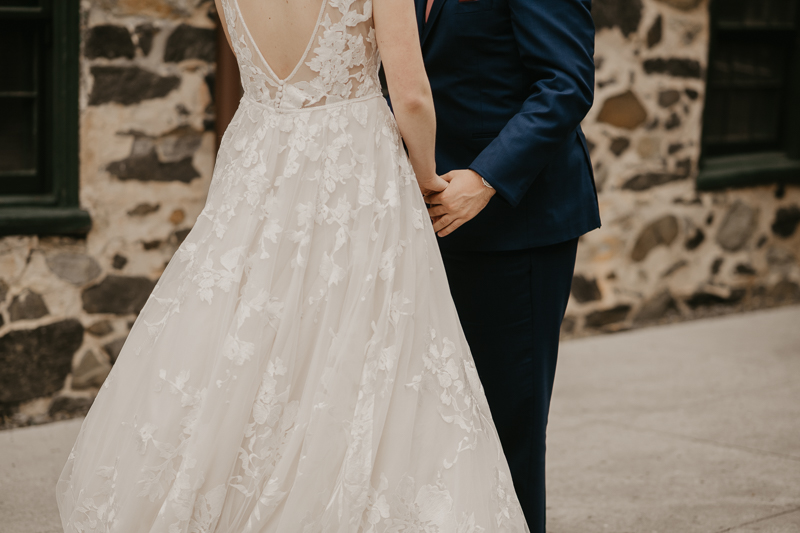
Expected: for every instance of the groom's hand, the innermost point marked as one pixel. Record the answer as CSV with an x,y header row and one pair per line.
x,y
460,202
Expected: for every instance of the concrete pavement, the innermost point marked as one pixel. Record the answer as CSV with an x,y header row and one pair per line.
x,y
31,459
689,428
685,428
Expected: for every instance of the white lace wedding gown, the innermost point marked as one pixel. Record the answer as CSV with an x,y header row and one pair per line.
x,y
299,366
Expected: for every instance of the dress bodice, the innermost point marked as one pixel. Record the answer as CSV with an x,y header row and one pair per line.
x,y
340,63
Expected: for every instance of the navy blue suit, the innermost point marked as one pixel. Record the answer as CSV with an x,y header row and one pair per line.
x,y
511,82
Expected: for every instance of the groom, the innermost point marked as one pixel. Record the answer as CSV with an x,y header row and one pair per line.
x,y
511,81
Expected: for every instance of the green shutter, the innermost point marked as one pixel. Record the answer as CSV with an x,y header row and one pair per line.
x,y
751,122
39,192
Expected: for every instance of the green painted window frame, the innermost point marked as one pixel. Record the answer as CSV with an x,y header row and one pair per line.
x,y
58,211
780,166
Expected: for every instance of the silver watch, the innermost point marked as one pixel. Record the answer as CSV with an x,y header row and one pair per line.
x,y
486,183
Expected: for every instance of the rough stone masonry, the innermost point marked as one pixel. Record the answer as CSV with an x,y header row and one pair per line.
x,y
665,252
147,153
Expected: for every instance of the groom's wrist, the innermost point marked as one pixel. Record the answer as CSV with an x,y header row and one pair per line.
x,y
486,184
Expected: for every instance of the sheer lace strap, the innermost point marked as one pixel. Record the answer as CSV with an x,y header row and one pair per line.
x,y
253,77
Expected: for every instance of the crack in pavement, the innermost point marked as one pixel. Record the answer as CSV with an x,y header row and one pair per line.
x,y
701,440
757,520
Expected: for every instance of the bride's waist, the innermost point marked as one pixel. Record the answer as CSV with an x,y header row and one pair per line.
x,y
250,100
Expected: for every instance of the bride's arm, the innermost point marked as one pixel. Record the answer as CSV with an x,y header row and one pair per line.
x,y
398,42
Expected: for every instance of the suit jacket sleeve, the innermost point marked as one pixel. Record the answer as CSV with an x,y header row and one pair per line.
x,y
556,44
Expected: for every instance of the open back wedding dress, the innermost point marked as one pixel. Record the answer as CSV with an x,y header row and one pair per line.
x,y
299,367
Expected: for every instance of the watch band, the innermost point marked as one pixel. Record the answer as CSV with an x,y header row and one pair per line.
x,y
486,183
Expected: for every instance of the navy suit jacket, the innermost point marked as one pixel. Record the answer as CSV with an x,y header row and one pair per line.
x,y
511,82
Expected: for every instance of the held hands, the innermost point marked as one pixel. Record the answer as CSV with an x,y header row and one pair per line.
x,y
431,185
460,201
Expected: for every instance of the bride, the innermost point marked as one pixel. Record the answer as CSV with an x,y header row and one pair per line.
x,y
299,366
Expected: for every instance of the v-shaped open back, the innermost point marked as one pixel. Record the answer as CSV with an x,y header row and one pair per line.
x,y
340,61
281,41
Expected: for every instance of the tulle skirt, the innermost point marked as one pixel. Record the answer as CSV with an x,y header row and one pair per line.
x,y
299,366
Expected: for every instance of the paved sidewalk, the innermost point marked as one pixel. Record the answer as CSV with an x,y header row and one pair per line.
x,y
686,428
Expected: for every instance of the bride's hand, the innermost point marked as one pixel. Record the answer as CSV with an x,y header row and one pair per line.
x,y
432,185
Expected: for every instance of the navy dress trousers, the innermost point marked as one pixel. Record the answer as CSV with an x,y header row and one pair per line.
x,y
511,82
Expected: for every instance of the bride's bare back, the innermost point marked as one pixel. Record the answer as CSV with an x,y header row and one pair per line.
x,y
282,30
316,52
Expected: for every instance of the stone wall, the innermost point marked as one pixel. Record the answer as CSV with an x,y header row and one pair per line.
x,y
665,252
147,153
